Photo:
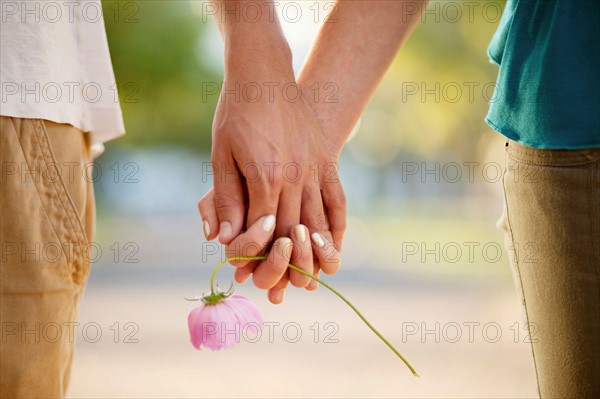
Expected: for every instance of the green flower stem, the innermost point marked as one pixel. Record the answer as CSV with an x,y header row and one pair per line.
x,y
330,288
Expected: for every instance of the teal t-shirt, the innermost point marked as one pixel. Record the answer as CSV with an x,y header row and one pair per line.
x,y
548,92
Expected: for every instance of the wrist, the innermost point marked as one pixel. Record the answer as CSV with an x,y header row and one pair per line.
x,y
264,58
328,115
256,48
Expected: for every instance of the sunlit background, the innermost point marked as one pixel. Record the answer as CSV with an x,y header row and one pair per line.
x,y
423,258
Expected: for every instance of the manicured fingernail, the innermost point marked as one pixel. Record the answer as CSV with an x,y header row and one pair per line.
x,y
300,233
283,246
318,239
279,296
268,223
206,228
225,231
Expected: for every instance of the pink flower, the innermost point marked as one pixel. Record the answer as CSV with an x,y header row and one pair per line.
x,y
224,317
222,321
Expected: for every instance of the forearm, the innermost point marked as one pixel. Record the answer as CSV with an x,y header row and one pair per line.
x,y
351,55
255,46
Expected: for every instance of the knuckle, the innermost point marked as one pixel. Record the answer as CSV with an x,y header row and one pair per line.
x,y
317,222
301,253
263,283
252,246
266,188
305,253
205,200
298,280
338,201
339,226
259,282
282,283
274,180
225,200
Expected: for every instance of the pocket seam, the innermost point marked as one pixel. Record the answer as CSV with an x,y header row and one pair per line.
x,y
509,232
74,226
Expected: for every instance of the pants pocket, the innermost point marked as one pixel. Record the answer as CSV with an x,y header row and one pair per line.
x,y
44,243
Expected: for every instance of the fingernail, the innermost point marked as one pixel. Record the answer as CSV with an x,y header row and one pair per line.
x,y
268,223
279,296
206,228
283,246
225,231
300,233
318,239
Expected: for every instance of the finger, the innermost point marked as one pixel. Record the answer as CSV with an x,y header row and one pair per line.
x,y
270,270
229,198
334,201
208,213
329,257
242,273
252,242
302,256
314,284
312,213
313,216
263,194
277,293
288,213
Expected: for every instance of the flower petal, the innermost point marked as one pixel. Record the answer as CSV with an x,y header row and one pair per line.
x,y
249,308
229,328
194,318
210,327
219,326
246,313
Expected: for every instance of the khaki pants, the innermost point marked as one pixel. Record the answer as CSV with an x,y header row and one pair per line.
x,y
47,218
552,226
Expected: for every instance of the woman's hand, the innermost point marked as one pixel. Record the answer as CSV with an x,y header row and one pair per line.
x,y
273,156
271,274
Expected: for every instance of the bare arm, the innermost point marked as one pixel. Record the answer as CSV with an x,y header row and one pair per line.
x,y
258,134
254,41
353,54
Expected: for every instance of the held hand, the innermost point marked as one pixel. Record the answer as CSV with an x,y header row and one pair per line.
x,y
261,154
269,273
274,154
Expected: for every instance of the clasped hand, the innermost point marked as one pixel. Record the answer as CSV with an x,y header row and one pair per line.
x,y
276,190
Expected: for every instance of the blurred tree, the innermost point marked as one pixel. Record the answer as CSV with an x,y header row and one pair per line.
x,y
155,49
438,90
432,101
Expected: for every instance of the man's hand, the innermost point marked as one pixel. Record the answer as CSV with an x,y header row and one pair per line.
x,y
286,168
269,154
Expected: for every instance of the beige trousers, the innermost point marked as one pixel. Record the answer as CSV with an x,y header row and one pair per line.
x,y
552,226
47,218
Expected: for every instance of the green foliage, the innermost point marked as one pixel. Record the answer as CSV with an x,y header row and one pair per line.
x,y
443,60
157,55
155,47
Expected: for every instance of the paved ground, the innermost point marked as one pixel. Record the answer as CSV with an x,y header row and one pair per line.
x,y
164,364
456,322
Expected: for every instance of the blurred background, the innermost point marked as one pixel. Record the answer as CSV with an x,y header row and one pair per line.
x,y
423,258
